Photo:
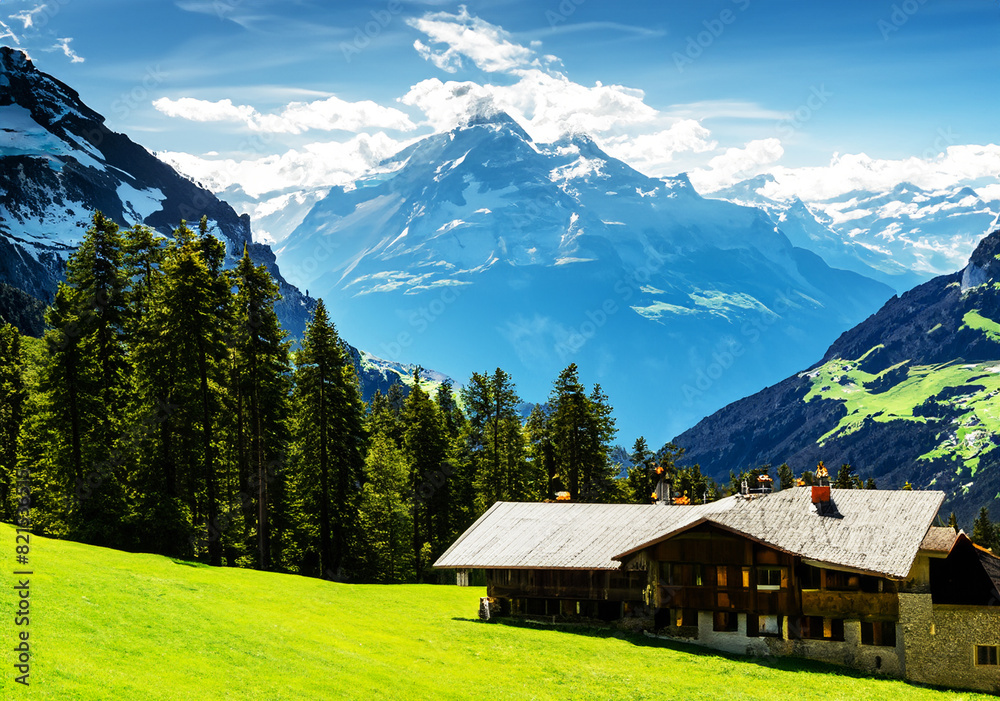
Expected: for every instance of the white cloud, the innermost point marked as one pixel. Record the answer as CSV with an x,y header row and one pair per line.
x,y
27,17
653,152
204,110
7,33
329,114
737,164
486,45
850,172
63,44
548,106
316,165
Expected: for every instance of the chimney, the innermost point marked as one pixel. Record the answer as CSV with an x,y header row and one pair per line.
x,y
821,489
821,494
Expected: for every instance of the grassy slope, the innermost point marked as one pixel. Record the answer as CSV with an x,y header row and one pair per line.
x,y
964,440
112,625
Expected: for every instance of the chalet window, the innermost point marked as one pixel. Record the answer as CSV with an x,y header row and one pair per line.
x,y
986,655
766,626
686,617
842,580
878,633
746,577
680,574
819,628
769,578
725,621
722,576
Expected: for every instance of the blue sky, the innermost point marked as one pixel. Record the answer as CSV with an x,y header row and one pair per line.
x,y
828,94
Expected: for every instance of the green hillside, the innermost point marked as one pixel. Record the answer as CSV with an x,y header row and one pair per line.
x,y
965,393
113,625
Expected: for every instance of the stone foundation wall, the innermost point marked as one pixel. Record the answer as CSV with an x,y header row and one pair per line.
x,y
850,652
941,640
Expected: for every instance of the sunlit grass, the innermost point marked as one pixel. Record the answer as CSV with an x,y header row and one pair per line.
x,y
113,625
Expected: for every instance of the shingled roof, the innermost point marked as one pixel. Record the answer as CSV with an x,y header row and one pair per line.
x,y
877,531
939,539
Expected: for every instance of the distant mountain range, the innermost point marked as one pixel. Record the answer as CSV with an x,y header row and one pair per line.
x,y
480,248
59,163
901,237
910,394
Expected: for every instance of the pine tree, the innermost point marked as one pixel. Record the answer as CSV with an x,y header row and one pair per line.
x,y
261,386
581,430
328,444
953,522
462,491
497,440
385,516
846,479
984,531
642,478
425,445
541,452
13,396
181,365
786,478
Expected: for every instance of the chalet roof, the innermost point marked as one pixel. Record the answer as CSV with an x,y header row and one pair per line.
x,y
991,565
561,535
939,539
878,531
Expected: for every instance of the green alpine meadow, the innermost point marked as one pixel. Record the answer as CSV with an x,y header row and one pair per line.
x,y
106,624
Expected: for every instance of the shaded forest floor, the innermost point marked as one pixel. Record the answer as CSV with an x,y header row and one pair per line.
x,y
112,625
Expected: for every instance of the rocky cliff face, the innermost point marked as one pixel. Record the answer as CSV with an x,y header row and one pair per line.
x,y
59,163
910,394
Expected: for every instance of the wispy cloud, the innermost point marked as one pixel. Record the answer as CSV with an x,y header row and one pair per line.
x,y
331,114
488,46
63,44
7,33
27,17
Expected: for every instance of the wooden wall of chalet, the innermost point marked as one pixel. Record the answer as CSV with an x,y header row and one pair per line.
x,y
596,585
712,569
727,567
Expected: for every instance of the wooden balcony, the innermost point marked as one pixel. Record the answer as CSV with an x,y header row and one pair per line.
x,y
850,604
738,599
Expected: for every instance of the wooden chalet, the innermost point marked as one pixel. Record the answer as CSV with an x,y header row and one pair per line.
x,y
854,577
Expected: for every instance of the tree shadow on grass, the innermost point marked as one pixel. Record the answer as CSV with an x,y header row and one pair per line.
x,y
783,663
188,563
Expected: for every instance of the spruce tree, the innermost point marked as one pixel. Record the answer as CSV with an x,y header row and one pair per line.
x,y
642,477
181,368
497,441
385,516
425,445
260,391
328,437
13,395
984,531
786,478
582,429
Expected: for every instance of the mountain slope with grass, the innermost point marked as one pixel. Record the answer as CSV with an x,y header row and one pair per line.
x,y
112,625
912,394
